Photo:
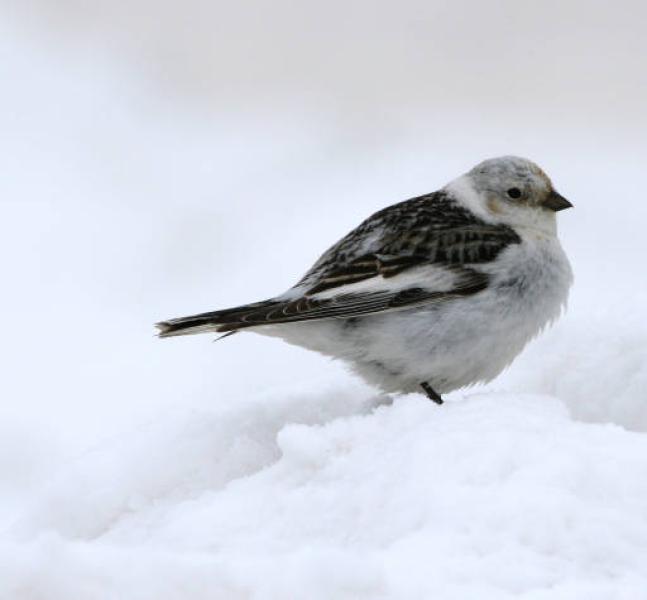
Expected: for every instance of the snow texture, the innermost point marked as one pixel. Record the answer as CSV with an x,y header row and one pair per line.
x,y
494,495
135,468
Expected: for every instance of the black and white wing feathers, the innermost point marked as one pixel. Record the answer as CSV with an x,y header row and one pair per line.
x,y
428,230
416,252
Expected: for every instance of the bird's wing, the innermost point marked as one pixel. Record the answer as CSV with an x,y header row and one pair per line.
x,y
324,306
417,252
414,253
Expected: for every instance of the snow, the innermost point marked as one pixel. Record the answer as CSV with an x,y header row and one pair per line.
x,y
496,494
135,468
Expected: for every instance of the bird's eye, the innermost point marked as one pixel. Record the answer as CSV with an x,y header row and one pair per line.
x,y
514,193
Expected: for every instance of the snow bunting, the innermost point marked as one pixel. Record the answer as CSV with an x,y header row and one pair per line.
x,y
437,292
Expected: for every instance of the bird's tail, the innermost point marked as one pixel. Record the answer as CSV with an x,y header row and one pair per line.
x,y
228,320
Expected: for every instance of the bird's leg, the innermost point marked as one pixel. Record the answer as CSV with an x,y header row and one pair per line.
x,y
431,393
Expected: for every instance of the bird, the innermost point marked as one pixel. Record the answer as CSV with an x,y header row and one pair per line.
x,y
432,294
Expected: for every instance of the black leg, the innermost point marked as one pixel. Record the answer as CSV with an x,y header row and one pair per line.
x,y
431,393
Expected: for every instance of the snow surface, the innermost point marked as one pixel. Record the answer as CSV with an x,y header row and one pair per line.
x,y
134,468
496,494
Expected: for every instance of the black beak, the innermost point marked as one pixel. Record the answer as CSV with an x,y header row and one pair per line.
x,y
556,202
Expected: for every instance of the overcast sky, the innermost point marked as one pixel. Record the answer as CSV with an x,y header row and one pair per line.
x,y
572,65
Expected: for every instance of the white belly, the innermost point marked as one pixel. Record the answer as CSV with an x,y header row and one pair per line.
x,y
453,343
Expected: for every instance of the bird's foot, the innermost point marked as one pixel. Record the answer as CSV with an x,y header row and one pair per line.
x,y
431,393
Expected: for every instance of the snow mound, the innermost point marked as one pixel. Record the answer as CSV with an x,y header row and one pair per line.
x,y
594,360
323,496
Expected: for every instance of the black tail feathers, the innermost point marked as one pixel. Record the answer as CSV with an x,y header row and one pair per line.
x,y
229,320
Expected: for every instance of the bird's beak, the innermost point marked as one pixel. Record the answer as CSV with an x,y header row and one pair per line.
x,y
556,202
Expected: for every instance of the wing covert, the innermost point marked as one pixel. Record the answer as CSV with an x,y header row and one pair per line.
x,y
428,230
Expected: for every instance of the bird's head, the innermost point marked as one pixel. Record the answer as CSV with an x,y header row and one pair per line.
x,y
511,190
